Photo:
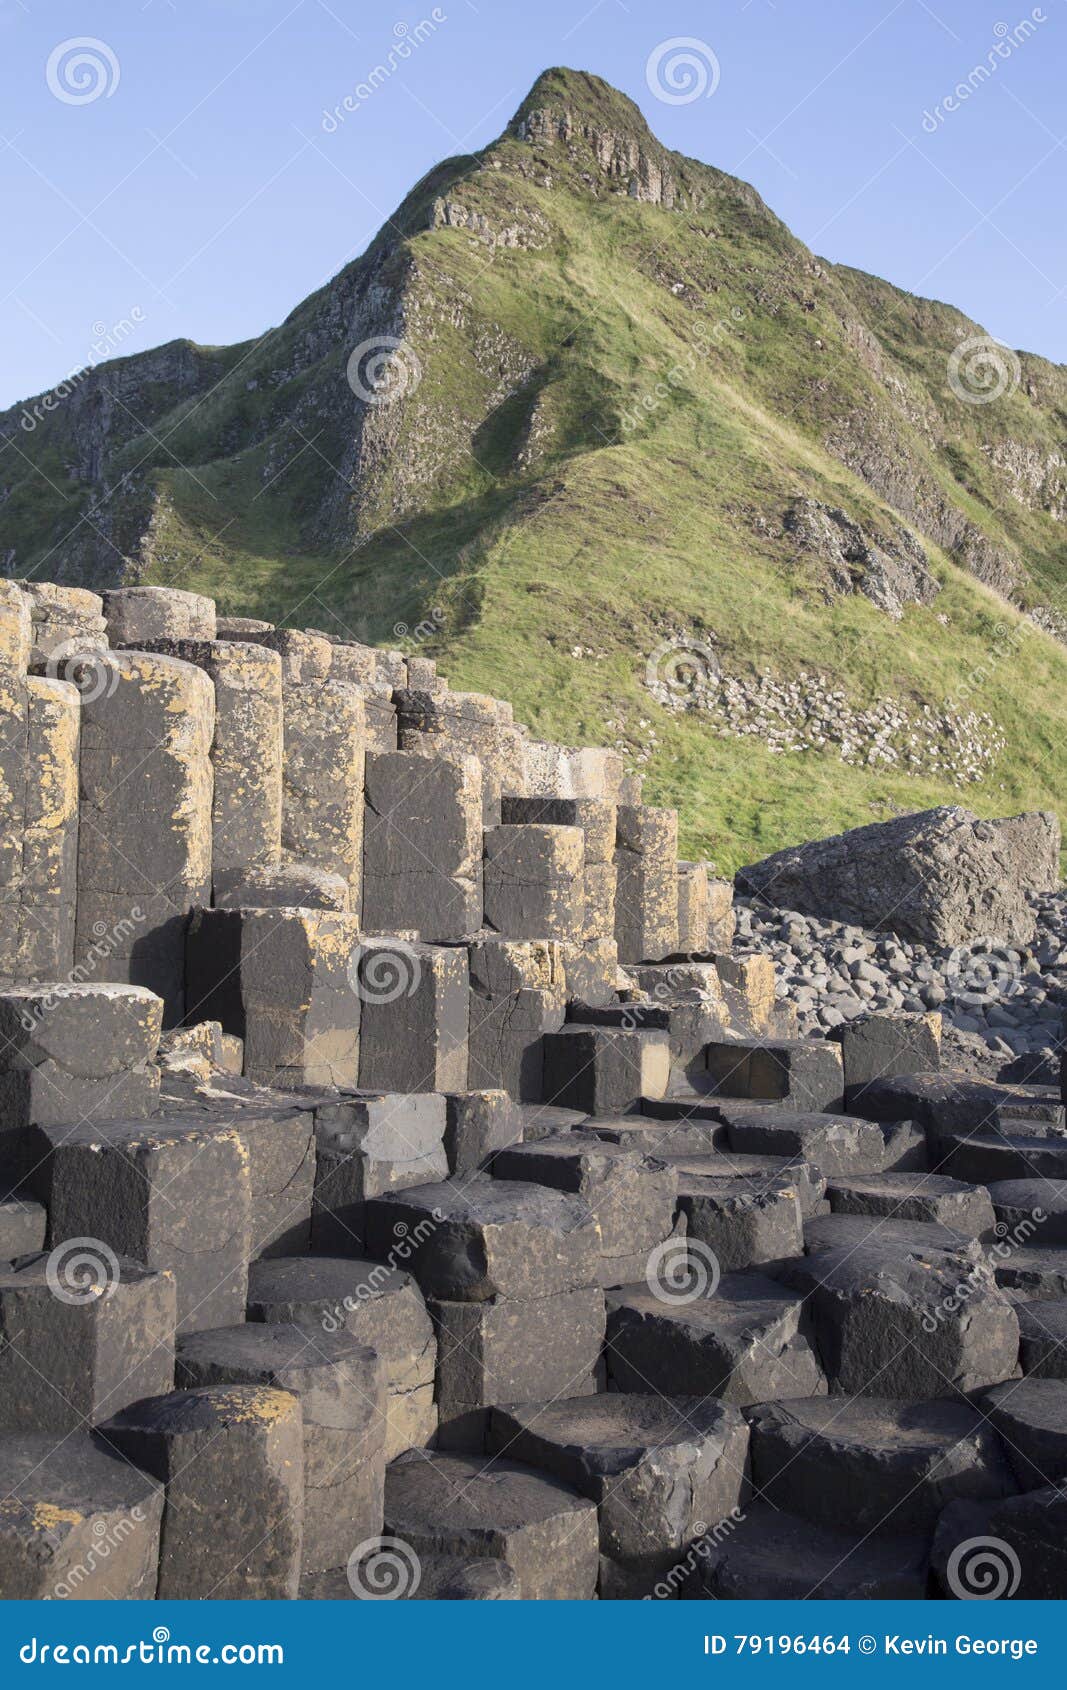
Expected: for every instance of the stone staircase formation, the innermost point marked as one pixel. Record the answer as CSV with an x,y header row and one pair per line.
x,y
407,1193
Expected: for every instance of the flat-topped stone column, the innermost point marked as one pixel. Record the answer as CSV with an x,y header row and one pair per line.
x,y
15,639
50,842
134,614
646,895
517,994
322,783
144,836
284,981
422,847
246,751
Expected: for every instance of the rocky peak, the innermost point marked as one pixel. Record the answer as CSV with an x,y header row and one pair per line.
x,y
601,128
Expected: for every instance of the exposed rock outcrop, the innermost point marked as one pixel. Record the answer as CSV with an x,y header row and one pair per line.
x,y
891,575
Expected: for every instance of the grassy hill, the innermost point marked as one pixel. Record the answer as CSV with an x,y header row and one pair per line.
x,y
622,410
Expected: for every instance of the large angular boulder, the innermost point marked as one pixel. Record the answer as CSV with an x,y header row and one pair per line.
x,y
939,876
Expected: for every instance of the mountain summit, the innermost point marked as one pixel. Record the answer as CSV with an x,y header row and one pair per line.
x,y
588,421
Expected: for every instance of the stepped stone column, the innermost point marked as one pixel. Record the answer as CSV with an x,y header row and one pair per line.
x,y
144,845
355,663
65,621
560,771
305,656
39,720
450,723
413,1032
15,636
693,909
646,893
360,665
284,981
423,845
722,919
518,994
534,882
591,963
136,614
246,752
322,777
50,842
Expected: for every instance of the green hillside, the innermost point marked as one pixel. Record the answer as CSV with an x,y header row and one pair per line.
x,y
625,410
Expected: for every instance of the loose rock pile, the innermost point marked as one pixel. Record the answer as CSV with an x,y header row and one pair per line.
x,y
1013,997
810,714
408,1190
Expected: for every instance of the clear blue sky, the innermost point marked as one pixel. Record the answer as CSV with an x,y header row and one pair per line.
x,y
203,197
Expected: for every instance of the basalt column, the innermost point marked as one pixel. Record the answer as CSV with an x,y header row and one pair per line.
x,y
246,752
322,788
144,845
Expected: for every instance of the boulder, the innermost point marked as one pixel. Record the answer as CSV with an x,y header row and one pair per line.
x,y
938,876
